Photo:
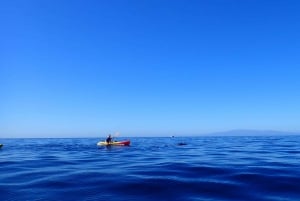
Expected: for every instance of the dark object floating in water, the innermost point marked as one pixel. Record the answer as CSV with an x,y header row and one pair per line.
x,y
1,145
181,143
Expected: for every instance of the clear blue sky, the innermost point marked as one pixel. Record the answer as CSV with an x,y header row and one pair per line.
x,y
88,68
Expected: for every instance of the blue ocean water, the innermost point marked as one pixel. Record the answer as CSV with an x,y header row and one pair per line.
x,y
205,168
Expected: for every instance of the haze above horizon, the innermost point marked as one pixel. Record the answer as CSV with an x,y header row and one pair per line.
x,y
75,68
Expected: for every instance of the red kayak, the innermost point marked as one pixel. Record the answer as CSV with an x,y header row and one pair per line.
x,y
116,143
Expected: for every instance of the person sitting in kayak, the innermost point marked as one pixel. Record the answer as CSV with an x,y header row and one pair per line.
x,y
109,139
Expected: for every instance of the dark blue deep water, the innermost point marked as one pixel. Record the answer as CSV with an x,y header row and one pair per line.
x,y
207,168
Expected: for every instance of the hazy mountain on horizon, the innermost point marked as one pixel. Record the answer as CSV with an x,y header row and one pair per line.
x,y
249,132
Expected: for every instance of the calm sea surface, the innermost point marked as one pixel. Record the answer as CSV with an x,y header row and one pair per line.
x,y
206,168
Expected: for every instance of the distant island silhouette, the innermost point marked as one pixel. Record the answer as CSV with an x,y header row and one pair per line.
x,y
249,132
